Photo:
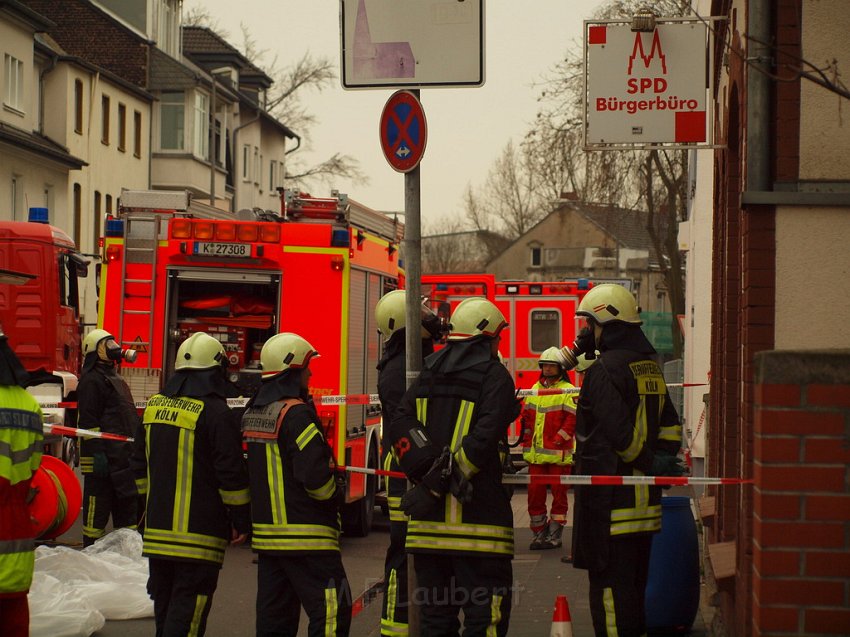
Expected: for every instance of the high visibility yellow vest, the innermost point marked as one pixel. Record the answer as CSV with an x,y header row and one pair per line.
x,y
552,440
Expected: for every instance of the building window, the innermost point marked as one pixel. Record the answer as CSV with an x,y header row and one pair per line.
x,y
13,201
202,126
168,26
122,127
48,196
545,329
171,119
536,256
272,174
104,107
246,163
256,171
108,205
137,134
78,107
13,95
78,213
97,217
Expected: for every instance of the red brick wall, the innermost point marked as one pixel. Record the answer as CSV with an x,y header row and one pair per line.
x,y
801,514
84,31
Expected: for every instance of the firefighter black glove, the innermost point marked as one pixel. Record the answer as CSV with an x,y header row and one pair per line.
x,y
666,465
341,482
420,501
459,486
100,464
437,478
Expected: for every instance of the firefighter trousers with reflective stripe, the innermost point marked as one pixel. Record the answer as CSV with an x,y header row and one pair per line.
x,y
394,607
447,584
537,492
617,592
182,594
99,502
315,580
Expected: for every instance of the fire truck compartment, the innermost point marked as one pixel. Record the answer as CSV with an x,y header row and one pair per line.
x,y
237,307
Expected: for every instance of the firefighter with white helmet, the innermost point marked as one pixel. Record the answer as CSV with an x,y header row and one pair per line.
x,y
547,443
295,499
446,436
20,456
390,314
198,499
626,425
113,470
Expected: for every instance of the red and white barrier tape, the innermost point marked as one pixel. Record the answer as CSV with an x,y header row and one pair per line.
x,y
62,430
365,399
516,478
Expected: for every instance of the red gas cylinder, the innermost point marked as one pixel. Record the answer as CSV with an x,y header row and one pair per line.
x,y
57,500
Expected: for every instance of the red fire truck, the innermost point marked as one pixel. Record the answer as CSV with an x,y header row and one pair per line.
x,y
40,312
540,314
316,269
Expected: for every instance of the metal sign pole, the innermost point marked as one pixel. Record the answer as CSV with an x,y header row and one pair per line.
x,y
413,337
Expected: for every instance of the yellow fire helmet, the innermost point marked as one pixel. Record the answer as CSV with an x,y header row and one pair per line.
x,y
390,312
199,351
285,351
92,339
609,302
475,316
550,356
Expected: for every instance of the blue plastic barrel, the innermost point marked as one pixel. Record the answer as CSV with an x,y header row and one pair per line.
x,y
672,591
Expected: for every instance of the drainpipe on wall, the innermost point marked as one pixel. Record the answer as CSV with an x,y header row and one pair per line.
x,y
760,60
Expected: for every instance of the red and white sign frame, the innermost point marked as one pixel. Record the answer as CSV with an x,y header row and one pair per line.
x,y
648,89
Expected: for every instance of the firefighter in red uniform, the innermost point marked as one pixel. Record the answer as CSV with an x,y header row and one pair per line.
x,y
390,315
198,499
446,436
548,440
626,425
294,500
20,455
113,470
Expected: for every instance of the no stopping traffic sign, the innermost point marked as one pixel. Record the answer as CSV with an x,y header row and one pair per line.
x,y
403,131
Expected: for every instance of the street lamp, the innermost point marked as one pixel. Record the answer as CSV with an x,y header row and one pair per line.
x,y
224,70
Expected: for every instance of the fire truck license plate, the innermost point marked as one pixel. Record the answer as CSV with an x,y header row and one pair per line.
x,y
223,249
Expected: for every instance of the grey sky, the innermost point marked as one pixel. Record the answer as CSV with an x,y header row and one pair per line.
x,y
467,128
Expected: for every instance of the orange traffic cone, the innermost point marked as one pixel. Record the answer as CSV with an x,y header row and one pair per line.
x,y
562,625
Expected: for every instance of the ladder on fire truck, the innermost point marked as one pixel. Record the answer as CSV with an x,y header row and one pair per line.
x,y
145,214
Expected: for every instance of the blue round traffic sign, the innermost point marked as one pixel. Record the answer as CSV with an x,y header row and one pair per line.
x,y
403,131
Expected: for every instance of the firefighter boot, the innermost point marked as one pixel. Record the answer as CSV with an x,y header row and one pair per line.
x,y
553,535
539,541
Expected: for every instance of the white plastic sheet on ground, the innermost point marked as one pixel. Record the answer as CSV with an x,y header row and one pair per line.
x,y
74,592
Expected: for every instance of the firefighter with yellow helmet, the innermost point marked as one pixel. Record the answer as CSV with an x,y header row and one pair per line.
x,y
198,499
20,455
113,470
390,314
626,425
294,499
547,443
446,436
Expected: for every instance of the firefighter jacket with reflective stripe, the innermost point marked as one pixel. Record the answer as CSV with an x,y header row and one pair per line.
x,y
468,410
624,417
197,476
106,404
550,423
391,387
294,505
20,454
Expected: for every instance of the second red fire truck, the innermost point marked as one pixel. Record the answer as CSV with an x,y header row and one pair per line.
x,y
317,269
